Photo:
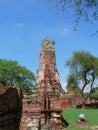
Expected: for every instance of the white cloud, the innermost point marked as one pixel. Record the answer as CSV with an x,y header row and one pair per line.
x,y
20,25
65,29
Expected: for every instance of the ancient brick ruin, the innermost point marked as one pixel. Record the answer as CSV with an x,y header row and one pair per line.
x,y
47,75
42,109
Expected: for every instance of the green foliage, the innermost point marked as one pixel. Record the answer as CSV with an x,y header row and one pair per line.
x,y
53,42
84,67
71,116
72,84
94,90
87,9
94,94
11,73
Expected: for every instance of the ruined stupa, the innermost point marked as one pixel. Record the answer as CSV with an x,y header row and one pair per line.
x,y
48,79
41,109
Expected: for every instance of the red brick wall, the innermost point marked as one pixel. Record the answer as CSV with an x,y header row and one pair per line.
x,y
66,102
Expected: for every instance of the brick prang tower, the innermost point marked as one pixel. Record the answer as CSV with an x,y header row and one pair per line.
x,y
48,79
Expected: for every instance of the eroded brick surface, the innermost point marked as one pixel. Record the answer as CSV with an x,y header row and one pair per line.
x,y
45,107
42,109
10,108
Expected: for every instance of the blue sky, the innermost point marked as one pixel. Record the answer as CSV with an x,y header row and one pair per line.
x,y
25,23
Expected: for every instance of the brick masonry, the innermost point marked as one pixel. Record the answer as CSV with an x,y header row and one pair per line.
x,y
42,109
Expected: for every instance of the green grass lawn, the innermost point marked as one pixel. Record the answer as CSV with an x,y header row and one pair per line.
x,y
71,116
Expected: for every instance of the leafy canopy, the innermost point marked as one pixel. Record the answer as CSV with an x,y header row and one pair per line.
x,y
87,9
84,67
11,73
94,94
72,84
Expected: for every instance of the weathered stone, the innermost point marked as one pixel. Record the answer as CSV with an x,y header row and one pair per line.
x,y
45,106
42,109
47,75
94,127
84,123
10,108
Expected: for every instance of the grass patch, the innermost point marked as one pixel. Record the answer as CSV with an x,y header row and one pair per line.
x,y
71,116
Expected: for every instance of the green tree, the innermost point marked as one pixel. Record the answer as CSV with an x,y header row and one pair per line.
x,y
11,73
72,83
94,94
84,67
87,9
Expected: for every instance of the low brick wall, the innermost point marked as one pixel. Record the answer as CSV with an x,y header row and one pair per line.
x,y
19,112
66,102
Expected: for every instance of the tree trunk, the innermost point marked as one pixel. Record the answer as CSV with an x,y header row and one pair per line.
x,y
83,96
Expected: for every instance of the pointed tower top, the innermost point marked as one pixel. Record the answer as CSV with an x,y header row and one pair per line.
x,y
47,45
